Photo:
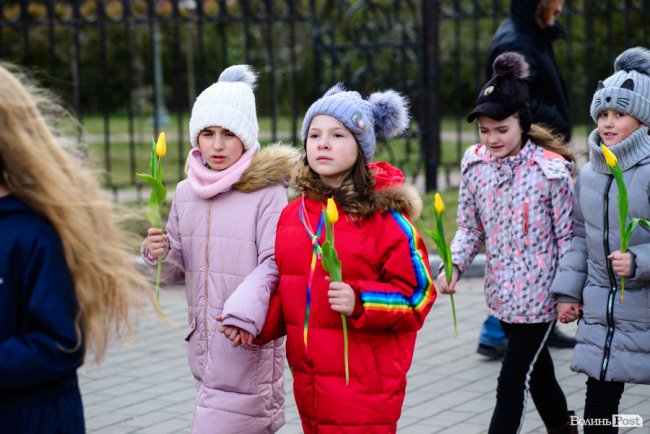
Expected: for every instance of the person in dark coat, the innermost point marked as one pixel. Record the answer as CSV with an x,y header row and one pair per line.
x,y
39,355
530,30
66,279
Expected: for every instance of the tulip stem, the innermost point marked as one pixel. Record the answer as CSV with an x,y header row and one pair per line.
x,y
622,290
453,312
345,350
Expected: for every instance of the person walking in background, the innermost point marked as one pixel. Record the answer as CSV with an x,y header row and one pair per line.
x,y
516,198
530,30
387,290
613,337
220,240
65,277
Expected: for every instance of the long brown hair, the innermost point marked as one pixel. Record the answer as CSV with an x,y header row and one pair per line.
x,y
57,185
543,137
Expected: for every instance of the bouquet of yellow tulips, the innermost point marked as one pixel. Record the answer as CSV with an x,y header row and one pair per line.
x,y
443,249
625,232
158,193
331,263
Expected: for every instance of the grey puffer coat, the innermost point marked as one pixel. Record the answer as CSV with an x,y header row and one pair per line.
x,y
613,339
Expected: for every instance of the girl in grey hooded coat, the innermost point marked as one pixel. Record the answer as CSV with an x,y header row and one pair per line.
x,y
613,338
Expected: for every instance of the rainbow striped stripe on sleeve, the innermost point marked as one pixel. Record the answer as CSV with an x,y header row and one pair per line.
x,y
396,301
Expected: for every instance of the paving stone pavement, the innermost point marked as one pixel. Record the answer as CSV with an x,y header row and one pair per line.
x,y
146,387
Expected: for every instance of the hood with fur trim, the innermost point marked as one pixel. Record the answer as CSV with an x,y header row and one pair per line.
x,y
271,165
390,192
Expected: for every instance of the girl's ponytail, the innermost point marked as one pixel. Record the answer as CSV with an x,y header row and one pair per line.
x,y
543,137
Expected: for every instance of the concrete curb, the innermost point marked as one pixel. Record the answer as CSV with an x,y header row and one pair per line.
x,y
476,269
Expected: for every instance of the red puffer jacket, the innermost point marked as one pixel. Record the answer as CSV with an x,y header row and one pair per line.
x,y
385,261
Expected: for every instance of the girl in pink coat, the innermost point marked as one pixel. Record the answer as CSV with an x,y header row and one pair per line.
x,y
220,241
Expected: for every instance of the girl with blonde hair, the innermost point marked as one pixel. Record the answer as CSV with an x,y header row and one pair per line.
x,y
65,277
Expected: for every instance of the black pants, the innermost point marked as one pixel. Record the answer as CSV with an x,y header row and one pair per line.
x,y
602,402
526,366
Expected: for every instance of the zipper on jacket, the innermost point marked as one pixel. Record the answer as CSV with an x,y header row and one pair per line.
x,y
612,284
206,283
525,216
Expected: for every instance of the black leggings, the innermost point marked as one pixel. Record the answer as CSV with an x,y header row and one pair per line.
x,y
602,402
527,365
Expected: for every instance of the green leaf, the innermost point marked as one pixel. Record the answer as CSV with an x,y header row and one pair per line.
x,y
440,244
153,213
627,235
158,190
449,266
622,200
331,262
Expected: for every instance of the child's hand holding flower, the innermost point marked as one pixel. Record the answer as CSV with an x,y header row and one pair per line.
x,y
341,297
621,263
443,286
157,242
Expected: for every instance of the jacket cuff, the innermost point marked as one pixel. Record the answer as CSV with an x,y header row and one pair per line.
x,y
358,305
147,257
633,266
241,324
566,299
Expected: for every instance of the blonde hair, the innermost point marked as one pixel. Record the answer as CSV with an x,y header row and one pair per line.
x,y
543,137
54,183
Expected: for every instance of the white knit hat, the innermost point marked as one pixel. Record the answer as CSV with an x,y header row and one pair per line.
x,y
229,103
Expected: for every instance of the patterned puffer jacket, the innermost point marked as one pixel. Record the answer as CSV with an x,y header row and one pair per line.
x,y
520,207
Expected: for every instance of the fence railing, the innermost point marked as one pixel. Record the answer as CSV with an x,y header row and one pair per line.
x,y
129,68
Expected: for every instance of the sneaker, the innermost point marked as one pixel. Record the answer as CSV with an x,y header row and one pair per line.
x,y
491,352
557,339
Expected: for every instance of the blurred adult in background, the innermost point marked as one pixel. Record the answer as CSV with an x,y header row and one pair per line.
x,y
530,30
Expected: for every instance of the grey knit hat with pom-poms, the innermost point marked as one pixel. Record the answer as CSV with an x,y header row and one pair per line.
x,y
382,116
506,93
229,103
628,90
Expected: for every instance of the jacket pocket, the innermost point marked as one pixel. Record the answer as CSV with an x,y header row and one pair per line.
x,y
235,369
190,330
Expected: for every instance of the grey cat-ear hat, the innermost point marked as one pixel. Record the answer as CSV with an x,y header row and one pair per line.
x,y
628,89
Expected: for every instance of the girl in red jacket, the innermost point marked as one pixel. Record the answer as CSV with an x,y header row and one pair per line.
x,y
387,289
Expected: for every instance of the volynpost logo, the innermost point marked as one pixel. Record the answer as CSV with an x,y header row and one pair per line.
x,y
617,421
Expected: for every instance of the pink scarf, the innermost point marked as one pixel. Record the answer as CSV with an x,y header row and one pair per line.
x,y
206,182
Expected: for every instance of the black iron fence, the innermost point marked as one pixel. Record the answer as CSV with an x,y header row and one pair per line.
x,y
129,68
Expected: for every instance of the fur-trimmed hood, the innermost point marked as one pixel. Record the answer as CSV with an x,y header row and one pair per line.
x,y
390,191
271,165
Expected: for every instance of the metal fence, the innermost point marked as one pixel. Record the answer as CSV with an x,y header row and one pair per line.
x,y
129,68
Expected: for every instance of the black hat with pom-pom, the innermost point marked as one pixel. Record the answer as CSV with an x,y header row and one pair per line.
x,y
506,92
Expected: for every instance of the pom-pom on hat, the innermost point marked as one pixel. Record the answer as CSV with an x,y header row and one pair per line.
x,y
229,103
628,89
382,116
506,92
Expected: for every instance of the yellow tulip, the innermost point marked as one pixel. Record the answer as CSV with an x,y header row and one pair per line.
x,y
610,158
332,212
161,145
438,204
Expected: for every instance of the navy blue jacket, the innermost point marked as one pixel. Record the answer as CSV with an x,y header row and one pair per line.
x,y
548,93
39,356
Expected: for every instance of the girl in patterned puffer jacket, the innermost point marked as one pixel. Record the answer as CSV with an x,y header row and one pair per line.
x,y
516,197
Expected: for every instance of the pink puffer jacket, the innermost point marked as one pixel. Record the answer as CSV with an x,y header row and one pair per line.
x,y
223,248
